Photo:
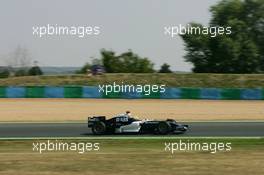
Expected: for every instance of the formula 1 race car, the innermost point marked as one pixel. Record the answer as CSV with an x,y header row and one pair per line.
x,y
126,124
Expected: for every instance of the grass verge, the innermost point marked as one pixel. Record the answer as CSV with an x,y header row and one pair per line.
x,y
134,156
170,80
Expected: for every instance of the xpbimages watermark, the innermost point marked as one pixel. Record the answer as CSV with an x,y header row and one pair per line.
x,y
56,146
129,88
60,30
213,31
212,147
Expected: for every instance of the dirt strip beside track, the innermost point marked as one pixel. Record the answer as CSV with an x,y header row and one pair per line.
x,y
79,109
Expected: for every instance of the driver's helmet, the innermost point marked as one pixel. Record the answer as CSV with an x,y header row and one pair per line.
x,y
128,113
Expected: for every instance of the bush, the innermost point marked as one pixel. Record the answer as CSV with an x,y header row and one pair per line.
x,y
35,70
165,68
4,73
127,62
84,69
21,72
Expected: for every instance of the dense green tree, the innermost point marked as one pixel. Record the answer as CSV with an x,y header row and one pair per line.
x,y
240,52
165,68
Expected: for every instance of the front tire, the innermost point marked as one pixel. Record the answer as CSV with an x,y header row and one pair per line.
x,y
163,128
99,128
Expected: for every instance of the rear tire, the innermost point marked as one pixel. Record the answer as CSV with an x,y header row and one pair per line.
x,y
163,128
99,128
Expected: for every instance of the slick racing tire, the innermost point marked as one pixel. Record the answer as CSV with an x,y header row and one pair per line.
x,y
163,128
99,128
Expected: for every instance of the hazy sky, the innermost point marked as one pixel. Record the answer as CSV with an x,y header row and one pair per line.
x,y
125,24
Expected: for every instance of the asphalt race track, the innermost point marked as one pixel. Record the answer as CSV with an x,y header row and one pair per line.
x,y
202,129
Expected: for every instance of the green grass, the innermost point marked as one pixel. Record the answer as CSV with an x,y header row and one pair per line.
x,y
132,157
170,80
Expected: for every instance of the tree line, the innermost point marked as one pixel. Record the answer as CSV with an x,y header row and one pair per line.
x,y
127,62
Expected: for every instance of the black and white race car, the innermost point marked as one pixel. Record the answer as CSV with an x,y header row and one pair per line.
x,y
126,124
